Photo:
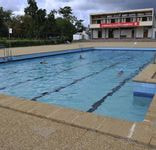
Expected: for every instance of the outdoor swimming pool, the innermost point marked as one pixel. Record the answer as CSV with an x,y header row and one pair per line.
x,y
90,84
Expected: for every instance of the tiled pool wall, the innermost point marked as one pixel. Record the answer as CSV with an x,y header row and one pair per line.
x,y
60,52
144,89
43,54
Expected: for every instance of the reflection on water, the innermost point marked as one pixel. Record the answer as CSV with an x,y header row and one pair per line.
x,y
139,101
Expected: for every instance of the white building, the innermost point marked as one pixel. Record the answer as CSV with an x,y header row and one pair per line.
x,y
80,36
77,36
139,23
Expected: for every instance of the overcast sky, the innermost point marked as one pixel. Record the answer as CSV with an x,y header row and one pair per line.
x,y
81,8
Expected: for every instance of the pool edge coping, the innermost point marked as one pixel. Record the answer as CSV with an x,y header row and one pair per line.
x,y
146,75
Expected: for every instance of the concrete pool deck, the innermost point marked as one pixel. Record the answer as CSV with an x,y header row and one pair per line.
x,y
148,75
26,124
61,47
32,125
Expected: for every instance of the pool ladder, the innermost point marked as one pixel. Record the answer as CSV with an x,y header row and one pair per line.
x,y
80,47
7,54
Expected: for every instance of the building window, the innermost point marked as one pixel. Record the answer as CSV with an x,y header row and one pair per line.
x,y
149,18
112,20
138,19
108,21
131,19
98,21
93,22
144,18
134,19
128,19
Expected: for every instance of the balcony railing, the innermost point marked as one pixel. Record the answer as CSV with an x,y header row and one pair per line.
x,y
139,23
121,17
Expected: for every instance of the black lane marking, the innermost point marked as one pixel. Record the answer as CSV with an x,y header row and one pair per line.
x,y
18,83
74,82
115,89
93,62
21,82
89,63
65,62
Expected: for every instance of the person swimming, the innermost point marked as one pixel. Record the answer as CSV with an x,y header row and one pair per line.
x,y
81,57
43,62
121,72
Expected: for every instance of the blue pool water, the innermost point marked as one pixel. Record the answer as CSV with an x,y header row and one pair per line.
x,y
91,84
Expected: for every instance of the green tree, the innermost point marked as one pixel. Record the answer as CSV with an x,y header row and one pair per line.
x,y
65,29
40,23
32,8
26,23
50,26
5,18
31,11
78,24
37,24
66,12
17,26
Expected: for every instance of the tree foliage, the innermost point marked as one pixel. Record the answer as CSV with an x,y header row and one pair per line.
x,y
38,24
32,9
5,18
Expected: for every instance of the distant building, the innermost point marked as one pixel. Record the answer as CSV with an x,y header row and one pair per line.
x,y
139,23
81,36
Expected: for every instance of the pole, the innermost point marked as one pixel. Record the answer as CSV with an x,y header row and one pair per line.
x,y
9,51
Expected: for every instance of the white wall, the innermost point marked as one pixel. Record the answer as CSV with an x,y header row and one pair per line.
x,y
106,31
95,34
116,33
154,21
93,26
146,23
77,37
150,33
103,33
139,33
127,33
154,33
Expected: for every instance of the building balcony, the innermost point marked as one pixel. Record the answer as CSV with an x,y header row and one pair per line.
x,y
94,26
146,23
122,24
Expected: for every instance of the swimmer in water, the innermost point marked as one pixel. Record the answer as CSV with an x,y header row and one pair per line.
x,y
81,57
43,62
121,72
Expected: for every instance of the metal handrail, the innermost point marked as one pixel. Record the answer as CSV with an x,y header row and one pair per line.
x,y
3,48
6,52
80,47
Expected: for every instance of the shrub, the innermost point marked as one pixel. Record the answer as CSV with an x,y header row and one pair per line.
x,y
23,43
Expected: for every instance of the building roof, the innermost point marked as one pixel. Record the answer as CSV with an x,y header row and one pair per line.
x,y
126,11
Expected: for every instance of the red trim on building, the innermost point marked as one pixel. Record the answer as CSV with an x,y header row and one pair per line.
x,y
120,24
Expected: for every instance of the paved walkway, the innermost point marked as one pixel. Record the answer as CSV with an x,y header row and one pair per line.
x,y
39,49
20,131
